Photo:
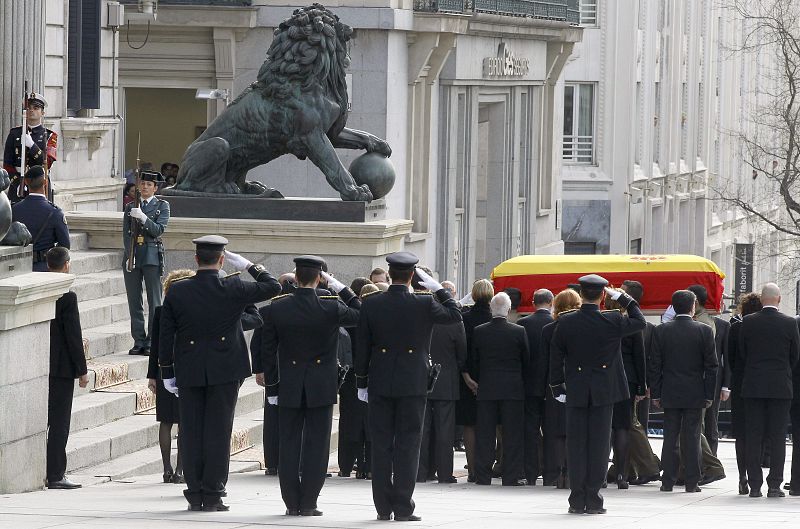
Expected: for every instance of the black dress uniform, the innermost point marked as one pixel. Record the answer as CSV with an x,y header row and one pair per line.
x,y
500,353
554,426
202,345
393,338
45,221
684,373
585,354
271,439
148,263
448,349
299,347
354,443
535,389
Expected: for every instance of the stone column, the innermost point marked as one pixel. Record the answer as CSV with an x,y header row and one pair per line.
x,y
27,304
21,21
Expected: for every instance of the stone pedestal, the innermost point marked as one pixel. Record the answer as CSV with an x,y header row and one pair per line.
x,y
351,249
27,304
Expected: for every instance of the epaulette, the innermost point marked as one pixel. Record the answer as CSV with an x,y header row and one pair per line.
x,y
371,293
423,292
232,275
566,312
280,297
328,297
182,278
610,310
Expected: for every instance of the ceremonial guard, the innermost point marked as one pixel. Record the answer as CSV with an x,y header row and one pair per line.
x,y
586,369
146,223
44,220
393,361
299,346
203,359
39,142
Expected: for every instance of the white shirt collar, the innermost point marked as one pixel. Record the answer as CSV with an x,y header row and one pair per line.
x,y
37,195
770,307
682,316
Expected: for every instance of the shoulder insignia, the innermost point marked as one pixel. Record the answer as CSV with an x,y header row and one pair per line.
x,y
423,292
184,278
371,294
280,297
610,310
234,274
328,297
567,312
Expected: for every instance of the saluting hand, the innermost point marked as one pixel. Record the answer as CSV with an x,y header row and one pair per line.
x,y
237,261
334,284
427,281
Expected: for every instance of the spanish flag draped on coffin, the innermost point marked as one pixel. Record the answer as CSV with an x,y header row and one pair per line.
x,y
660,275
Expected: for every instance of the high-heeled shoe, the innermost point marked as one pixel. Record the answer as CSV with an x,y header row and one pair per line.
x,y
178,478
168,476
622,483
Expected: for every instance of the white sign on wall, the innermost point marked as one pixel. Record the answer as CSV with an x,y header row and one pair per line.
x,y
505,64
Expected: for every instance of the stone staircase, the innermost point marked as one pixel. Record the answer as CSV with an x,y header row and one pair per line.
x,y
114,433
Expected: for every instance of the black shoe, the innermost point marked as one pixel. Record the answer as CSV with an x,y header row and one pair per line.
x,y
743,488
135,350
178,478
622,483
223,494
344,475
517,483
409,518
195,507
384,517
575,510
144,351
601,510
271,472
756,493
292,512
310,512
459,446
680,482
215,507
642,480
63,484
167,476
794,492
693,489
451,479
471,478
775,493
710,479
666,488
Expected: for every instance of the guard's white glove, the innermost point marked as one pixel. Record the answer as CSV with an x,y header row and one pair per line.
x,y
273,400
171,385
334,284
28,140
237,261
562,399
427,281
139,215
363,394
613,294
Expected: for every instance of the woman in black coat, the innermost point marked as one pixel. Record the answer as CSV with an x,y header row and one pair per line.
x,y
467,405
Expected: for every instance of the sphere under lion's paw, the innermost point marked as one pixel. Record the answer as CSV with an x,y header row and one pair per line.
x,y
375,171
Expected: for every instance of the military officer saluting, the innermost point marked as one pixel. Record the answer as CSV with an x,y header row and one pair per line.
x,y
203,359
149,218
392,368
299,345
40,144
586,356
44,220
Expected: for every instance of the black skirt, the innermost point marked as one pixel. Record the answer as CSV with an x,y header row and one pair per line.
x,y
466,406
166,404
555,416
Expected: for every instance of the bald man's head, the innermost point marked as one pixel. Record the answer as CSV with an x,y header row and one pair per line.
x,y
543,299
771,294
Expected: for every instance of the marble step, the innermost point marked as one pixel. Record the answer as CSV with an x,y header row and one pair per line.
x,y
92,261
111,440
103,310
78,241
108,339
99,285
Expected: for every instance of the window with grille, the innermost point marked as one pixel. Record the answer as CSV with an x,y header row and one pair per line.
x,y
579,248
83,54
588,12
579,123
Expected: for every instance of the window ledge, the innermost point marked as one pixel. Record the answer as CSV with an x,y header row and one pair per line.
x,y
416,236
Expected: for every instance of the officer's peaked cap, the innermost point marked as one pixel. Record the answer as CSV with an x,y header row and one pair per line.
x,y
210,242
592,281
402,260
37,99
310,261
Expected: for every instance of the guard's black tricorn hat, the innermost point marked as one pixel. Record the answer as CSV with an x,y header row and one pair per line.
x,y
210,242
35,172
402,260
310,261
592,281
151,176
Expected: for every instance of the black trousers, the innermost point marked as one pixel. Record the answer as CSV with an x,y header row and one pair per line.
x,y
794,414
588,446
205,439
440,422
711,424
686,423
59,410
271,435
554,451
534,415
510,414
305,439
766,423
396,429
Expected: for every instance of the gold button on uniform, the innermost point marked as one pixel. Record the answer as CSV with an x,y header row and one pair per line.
x,y
604,366
410,350
294,363
318,360
579,368
223,338
383,350
191,342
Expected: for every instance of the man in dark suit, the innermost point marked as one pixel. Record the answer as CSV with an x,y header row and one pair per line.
x,y
67,362
722,392
535,379
684,374
587,372
202,344
500,355
299,346
769,345
448,349
635,290
392,370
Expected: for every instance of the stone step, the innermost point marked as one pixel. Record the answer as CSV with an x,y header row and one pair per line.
x,y
108,339
99,285
111,440
78,241
100,407
90,262
113,369
102,311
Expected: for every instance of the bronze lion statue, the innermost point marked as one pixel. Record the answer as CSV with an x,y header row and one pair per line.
x,y
298,105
